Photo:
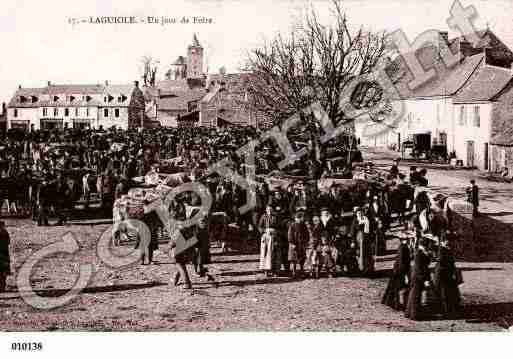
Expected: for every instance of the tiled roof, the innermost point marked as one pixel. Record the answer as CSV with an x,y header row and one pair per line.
x,y
118,90
233,82
28,93
446,81
179,99
45,95
173,85
75,89
487,83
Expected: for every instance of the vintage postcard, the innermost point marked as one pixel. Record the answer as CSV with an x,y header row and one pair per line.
x,y
222,165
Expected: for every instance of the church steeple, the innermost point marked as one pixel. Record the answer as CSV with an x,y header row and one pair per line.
x,y
195,41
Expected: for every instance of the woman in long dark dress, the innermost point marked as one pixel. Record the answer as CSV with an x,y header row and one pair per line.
x,y
400,278
419,282
446,282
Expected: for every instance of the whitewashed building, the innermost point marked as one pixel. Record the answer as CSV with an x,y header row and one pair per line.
x,y
456,107
71,106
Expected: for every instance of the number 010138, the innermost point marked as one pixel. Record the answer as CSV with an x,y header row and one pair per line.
x,y
33,346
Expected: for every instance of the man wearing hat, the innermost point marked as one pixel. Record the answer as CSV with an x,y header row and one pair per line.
x,y
298,237
420,281
394,170
376,220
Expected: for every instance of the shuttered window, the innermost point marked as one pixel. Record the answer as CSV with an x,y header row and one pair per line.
x,y
477,117
463,116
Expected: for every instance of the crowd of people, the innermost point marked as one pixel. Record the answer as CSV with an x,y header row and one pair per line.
x,y
302,230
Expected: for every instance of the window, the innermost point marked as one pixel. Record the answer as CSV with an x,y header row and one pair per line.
x,y
87,111
15,112
477,117
76,111
105,112
116,112
45,111
410,120
105,99
66,112
463,116
502,159
56,111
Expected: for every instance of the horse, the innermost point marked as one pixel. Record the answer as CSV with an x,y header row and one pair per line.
x,y
400,200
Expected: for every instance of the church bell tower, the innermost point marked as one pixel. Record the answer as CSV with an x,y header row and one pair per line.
x,y
195,59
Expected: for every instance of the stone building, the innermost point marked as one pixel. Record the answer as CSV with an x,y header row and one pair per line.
x,y
74,106
191,97
459,107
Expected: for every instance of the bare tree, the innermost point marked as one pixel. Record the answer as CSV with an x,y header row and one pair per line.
x,y
316,62
149,66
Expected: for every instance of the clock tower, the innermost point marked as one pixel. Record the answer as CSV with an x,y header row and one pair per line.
x,y
195,59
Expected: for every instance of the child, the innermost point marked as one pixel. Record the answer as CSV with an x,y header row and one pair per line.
x,y
314,230
327,254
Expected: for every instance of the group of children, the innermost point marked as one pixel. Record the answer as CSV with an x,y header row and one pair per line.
x,y
312,246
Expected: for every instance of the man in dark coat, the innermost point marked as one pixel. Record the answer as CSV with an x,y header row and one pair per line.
x,y
419,282
298,237
394,170
473,197
44,198
5,259
201,254
446,281
376,216
400,278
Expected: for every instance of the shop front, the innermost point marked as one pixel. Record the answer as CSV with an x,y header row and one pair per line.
x,y
20,125
52,123
81,123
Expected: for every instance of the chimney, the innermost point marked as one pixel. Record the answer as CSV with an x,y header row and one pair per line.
x,y
4,108
49,83
19,87
466,48
444,36
106,83
136,84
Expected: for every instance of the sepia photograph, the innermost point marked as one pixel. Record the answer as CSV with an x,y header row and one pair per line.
x,y
234,166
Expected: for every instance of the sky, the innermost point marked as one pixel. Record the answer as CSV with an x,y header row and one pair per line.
x,y
39,44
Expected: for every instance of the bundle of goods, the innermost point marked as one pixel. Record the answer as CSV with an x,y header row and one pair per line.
x,y
142,200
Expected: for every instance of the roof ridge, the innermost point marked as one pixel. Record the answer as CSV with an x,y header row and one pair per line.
x,y
478,65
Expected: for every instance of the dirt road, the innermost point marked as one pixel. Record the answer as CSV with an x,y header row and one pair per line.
x,y
141,298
